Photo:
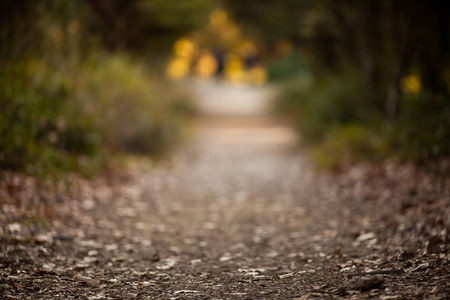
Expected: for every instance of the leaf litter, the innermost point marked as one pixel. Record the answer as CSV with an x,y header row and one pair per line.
x,y
179,231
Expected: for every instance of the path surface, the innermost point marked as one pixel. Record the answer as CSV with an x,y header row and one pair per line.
x,y
239,213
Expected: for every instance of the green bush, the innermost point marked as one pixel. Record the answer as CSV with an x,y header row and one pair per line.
x,y
64,117
322,103
422,131
349,143
286,67
333,115
33,123
67,98
132,111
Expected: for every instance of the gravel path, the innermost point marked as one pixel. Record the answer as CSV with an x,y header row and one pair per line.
x,y
238,213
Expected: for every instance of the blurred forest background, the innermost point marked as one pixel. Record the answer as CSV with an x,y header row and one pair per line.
x,y
362,79
81,80
359,79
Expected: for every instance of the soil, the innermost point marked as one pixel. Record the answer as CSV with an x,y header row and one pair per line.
x,y
238,213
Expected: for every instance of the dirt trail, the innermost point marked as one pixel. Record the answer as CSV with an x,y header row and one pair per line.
x,y
239,213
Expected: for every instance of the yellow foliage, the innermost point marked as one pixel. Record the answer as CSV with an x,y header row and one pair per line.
x,y
184,48
227,37
206,65
233,69
247,48
177,68
258,75
230,33
218,17
237,77
410,84
233,62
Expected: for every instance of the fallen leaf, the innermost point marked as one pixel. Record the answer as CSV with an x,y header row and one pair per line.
x,y
366,237
88,281
287,275
437,289
186,292
364,283
337,252
195,261
389,297
319,287
43,238
226,257
14,227
272,254
434,244
111,247
421,267
89,259
167,264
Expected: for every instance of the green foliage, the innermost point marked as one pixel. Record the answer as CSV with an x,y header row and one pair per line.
x,y
349,143
319,104
130,109
286,67
35,131
55,121
423,128
147,26
331,114
383,44
271,19
66,101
